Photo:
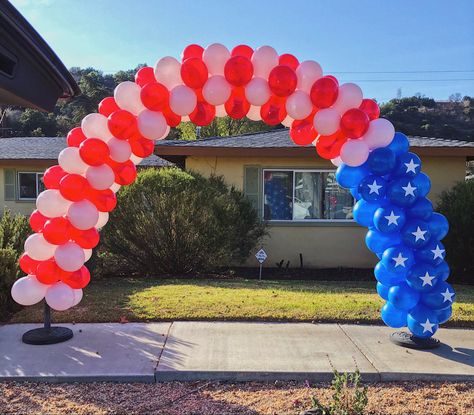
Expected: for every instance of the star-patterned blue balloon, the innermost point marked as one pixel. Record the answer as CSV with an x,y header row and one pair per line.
x,y
402,192
440,297
372,188
433,253
422,321
409,164
416,234
398,258
422,277
389,219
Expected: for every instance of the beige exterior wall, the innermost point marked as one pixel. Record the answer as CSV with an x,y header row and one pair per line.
x,y
323,245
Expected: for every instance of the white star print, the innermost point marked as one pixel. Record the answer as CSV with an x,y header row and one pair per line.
x,y
392,219
447,296
427,326
438,252
427,279
411,167
409,189
399,260
374,187
419,234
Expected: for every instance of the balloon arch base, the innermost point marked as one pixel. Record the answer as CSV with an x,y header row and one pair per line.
x,y
47,334
404,339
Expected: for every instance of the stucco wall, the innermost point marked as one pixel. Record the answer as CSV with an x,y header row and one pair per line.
x,y
322,244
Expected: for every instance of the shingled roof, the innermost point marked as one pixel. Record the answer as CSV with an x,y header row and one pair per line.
x,y
48,149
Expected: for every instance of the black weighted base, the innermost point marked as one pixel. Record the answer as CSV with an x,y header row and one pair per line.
x,y
45,335
401,338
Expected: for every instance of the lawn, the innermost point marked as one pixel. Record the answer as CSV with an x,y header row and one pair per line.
x,y
233,299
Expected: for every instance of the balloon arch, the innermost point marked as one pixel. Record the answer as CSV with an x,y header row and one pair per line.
x,y
373,162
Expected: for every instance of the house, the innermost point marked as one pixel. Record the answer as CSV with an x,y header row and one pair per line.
x,y
22,163
295,191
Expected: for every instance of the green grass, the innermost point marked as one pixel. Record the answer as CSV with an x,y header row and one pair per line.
x,y
236,299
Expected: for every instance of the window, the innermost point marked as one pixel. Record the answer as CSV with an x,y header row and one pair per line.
x,y
301,195
30,185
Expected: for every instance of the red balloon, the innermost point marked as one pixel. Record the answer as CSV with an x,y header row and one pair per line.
x,y
302,132
122,124
194,73
28,265
74,187
237,105
332,150
273,112
75,137
324,92
242,50
107,106
86,239
57,231
192,51
78,279
154,96
333,78
289,60
203,114
144,76
371,108
354,123
48,272
238,70
37,221
104,200
172,119
53,176
94,151
125,173
142,147
329,140
282,80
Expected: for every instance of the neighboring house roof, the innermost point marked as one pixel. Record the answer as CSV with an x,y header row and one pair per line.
x,y
40,149
278,143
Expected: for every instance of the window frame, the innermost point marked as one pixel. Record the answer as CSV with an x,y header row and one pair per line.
x,y
299,221
37,177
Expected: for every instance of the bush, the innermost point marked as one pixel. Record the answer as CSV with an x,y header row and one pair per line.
x,y
457,204
175,222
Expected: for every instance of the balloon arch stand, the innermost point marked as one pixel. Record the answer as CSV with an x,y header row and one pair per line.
x,y
372,160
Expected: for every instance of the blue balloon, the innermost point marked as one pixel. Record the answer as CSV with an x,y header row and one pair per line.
x,y
378,242
389,219
442,271
402,192
348,176
444,315
433,253
382,161
440,297
386,277
422,277
355,193
402,296
364,212
409,164
393,317
398,258
372,188
422,322
416,234
422,183
399,144
421,209
439,226
382,290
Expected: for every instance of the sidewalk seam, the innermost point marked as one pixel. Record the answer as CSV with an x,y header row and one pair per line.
x,y
361,352
162,350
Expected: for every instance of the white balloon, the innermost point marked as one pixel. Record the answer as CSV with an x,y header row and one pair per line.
x,y
257,91
115,188
336,161
71,162
168,72
308,72
215,57
69,256
326,121
95,126
127,97
183,100
87,254
254,113
165,134
135,160
299,105
103,219
83,215
28,290
77,296
120,150
264,59
349,96
287,121
379,134
152,124
216,90
221,111
60,296
38,248
100,177
52,204
354,153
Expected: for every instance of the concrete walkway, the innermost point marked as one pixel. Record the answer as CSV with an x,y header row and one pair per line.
x,y
231,351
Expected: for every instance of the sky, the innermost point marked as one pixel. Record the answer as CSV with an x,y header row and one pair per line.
x,y
420,46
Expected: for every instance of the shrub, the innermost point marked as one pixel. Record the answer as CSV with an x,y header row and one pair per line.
x,y
457,204
175,222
